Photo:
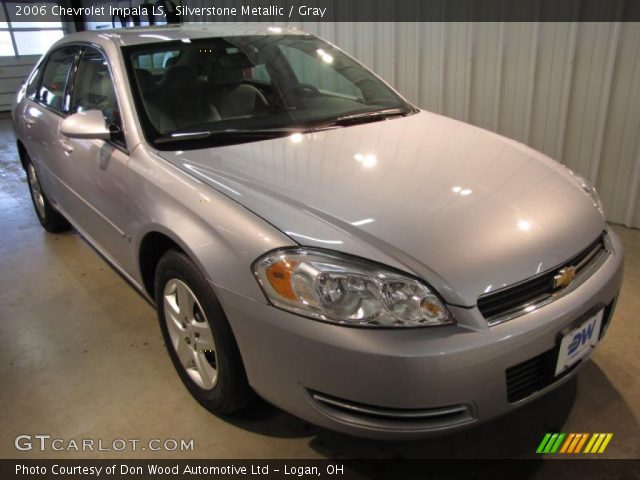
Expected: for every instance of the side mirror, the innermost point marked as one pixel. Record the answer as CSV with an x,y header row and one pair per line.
x,y
89,124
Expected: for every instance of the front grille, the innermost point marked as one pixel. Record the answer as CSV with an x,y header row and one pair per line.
x,y
516,298
537,373
392,418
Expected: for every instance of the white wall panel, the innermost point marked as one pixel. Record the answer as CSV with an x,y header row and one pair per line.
x,y
619,154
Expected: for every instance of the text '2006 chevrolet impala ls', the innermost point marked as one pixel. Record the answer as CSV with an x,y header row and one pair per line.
x,y
308,235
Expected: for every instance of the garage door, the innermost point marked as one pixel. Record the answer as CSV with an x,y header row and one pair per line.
x,y
21,45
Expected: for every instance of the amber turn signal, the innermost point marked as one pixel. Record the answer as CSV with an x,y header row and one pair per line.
x,y
279,276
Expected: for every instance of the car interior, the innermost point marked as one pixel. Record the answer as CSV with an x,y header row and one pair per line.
x,y
249,83
188,91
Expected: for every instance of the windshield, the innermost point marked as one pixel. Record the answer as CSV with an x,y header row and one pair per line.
x,y
218,91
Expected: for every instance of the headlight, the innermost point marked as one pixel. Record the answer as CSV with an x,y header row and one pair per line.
x,y
339,289
589,190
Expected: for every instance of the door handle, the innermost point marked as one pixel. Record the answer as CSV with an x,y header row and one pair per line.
x,y
68,148
29,121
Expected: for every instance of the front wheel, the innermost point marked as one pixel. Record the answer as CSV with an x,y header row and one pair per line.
x,y
198,337
49,217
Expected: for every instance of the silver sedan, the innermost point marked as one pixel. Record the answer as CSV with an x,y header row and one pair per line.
x,y
308,235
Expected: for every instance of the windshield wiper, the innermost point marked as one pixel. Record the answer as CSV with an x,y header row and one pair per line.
x,y
234,133
364,117
226,133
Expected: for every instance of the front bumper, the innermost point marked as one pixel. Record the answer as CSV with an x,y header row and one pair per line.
x,y
404,383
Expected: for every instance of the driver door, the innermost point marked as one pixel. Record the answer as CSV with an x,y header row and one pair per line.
x,y
95,170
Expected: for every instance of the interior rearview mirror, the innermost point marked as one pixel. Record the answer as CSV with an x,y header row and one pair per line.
x,y
88,124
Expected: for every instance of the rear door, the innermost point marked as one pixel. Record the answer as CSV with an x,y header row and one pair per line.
x,y
42,115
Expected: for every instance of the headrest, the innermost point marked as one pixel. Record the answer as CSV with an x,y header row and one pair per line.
x,y
145,80
228,69
224,76
235,60
180,76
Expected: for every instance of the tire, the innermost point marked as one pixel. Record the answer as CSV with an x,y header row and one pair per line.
x,y
216,379
49,217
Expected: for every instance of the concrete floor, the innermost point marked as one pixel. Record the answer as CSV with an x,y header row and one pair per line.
x,y
81,356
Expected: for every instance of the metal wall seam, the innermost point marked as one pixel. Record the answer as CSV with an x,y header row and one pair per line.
x,y
603,105
566,91
498,85
535,42
468,71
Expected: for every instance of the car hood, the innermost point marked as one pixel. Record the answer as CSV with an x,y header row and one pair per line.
x,y
465,209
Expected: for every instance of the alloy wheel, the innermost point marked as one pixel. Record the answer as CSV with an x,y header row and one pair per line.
x,y
190,333
36,191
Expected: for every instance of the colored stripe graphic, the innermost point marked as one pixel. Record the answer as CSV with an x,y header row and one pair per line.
x,y
573,443
581,442
543,443
550,443
591,442
556,445
567,443
605,442
598,443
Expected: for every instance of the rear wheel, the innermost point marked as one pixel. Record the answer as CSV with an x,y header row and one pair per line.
x,y
198,336
49,217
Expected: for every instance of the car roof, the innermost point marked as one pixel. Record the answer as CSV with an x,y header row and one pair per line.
x,y
153,34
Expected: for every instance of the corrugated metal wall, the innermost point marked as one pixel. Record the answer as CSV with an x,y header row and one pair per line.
x,y
570,90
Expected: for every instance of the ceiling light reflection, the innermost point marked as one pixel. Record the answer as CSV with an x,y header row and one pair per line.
x,y
324,56
363,222
461,191
367,161
524,225
299,235
153,35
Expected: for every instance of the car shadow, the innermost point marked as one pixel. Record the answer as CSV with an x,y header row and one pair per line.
x,y
515,435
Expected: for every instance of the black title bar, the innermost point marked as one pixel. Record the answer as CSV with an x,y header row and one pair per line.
x,y
334,11
81,469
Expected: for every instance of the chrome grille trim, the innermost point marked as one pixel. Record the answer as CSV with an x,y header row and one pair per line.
x,y
392,419
389,412
587,266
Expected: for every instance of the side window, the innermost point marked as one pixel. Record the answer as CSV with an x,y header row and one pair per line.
x,y
260,73
157,62
54,78
318,70
93,90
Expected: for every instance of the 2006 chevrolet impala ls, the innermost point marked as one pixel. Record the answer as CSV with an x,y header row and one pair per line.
x,y
309,235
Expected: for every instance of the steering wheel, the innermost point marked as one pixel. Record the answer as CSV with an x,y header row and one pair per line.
x,y
301,90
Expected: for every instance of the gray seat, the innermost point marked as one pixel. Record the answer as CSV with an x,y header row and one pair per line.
x,y
178,103
146,82
230,96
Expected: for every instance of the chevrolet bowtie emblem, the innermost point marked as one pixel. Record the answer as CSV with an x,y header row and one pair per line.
x,y
564,277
